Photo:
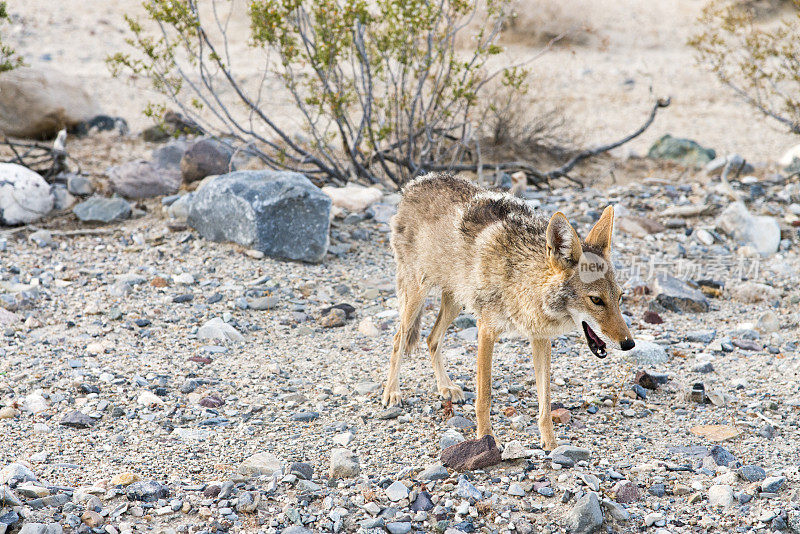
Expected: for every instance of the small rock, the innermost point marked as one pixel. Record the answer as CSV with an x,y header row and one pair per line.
x,y
647,353
205,158
576,454
101,209
147,491
514,450
466,490
77,419
392,412
434,472
752,473
680,150
760,232
353,197
344,464
334,318
721,456
247,501
218,330
626,492
772,484
677,296
142,179
261,464
720,495
473,454
396,491
460,422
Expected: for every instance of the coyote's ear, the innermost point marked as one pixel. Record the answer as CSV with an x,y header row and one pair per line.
x,y
563,244
600,235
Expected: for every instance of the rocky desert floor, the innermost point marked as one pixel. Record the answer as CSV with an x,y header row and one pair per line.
x,y
119,412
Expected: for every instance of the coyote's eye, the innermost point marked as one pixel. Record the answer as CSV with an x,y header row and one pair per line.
x,y
597,301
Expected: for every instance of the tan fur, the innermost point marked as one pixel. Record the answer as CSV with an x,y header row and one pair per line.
x,y
516,271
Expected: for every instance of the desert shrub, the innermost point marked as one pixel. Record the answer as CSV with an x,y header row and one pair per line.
x,y
381,88
8,57
760,63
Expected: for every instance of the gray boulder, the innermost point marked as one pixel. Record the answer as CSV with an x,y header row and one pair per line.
x,y
586,517
282,214
24,195
143,179
101,209
170,155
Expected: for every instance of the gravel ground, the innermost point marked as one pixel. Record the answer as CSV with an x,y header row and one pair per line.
x,y
107,324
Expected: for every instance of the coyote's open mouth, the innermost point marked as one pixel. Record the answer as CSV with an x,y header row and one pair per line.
x,y
596,345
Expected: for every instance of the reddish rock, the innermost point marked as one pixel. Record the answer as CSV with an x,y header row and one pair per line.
x,y
652,317
204,158
200,359
645,380
211,401
472,454
561,415
626,492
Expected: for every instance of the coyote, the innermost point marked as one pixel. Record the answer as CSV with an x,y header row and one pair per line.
x,y
516,271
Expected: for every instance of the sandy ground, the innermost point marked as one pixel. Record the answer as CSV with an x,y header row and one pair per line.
x,y
630,52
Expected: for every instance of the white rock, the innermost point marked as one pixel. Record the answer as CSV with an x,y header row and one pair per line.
x,y
261,464
184,278
148,398
218,330
753,292
367,327
34,403
396,491
760,232
344,464
353,197
768,322
789,156
720,495
343,439
24,195
514,450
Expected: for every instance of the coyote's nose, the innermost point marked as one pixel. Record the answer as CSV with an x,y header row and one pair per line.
x,y
627,344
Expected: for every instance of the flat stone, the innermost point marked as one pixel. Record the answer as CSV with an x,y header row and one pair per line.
x,y
434,472
677,296
460,422
261,464
396,491
576,454
772,484
647,353
466,490
390,413
102,209
147,491
142,179
77,419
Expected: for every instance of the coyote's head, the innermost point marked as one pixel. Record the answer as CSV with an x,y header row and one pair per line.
x,y
593,294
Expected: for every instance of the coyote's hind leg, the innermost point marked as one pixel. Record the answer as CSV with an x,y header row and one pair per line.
x,y
411,297
449,311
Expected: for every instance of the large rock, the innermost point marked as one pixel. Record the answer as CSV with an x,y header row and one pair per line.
x,y
678,296
586,517
282,214
101,209
38,103
170,155
24,195
143,179
204,158
760,232
683,151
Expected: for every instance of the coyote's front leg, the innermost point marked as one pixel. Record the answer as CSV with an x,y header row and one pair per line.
x,y
486,339
541,365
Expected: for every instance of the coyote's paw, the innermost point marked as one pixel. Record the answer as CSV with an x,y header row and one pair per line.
x,y
548,443
452,392
392,397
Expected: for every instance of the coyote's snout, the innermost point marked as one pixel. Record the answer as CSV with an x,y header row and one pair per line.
x,y
516,271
